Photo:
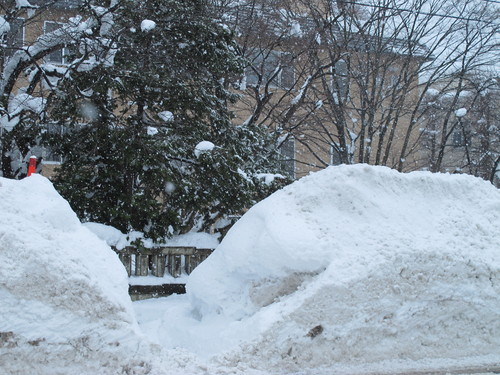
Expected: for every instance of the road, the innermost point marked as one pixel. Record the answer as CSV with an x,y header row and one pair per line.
x,y
479,370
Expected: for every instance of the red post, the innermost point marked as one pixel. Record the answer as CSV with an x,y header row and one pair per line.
x,y
32,166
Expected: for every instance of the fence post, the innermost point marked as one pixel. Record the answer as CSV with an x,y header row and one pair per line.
x,y
169,259
158,265
127,262
141,264
188,263
174,265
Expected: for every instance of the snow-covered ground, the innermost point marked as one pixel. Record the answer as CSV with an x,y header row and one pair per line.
x,y
354,269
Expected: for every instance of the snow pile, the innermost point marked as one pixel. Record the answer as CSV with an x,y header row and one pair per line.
x,y
64,305
354,264
354,269
114,237
200,240
268,178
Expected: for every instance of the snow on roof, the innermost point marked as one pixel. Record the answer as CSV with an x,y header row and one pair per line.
x,y
113,237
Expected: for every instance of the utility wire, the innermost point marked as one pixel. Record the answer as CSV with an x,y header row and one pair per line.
x,y
422,13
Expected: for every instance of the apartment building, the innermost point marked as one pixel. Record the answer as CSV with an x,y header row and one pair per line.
x,y
330,93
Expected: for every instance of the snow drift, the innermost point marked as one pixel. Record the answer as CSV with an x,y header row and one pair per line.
x,y
358,264
354,269
64,304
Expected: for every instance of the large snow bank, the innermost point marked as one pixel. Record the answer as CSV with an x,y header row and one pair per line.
x,y
356,264
64,305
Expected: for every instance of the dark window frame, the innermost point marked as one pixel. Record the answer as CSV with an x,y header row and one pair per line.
x,y
57,57
287,156
266,65
15,38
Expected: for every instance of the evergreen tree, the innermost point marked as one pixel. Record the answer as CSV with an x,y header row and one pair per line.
x,y
149,144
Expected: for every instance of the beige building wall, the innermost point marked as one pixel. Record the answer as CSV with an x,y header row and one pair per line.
x,y
313,137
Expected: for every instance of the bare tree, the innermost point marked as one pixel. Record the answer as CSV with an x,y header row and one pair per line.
x,y
473,139
357,73
274,89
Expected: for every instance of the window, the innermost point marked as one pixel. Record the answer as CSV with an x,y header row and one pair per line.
x,y
457,138
49,156
343,4
14,39
59,56
266,65
340,80
287,152
335,158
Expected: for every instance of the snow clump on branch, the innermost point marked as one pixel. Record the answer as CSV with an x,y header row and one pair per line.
x,y
203,147
166,116
4,26
147,25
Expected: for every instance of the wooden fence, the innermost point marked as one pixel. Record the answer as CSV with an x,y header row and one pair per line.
x,y
156,261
